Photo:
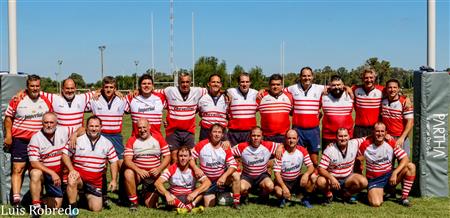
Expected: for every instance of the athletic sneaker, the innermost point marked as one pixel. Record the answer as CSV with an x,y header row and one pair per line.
x,y
328,200
352,200
405,202
306,203
198,209
72,214
237,206
107,204
282,203
182,211
133,207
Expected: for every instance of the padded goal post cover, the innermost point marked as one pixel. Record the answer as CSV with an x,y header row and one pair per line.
x,y
9,86
431,108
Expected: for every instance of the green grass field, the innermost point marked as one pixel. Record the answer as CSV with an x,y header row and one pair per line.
x,y
422,207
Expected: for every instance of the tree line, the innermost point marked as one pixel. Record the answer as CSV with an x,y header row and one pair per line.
x,y
205,66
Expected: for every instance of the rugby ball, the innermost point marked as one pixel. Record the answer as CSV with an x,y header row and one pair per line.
x,y
225,198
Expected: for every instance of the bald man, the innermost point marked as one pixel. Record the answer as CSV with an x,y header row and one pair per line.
x,y
142,159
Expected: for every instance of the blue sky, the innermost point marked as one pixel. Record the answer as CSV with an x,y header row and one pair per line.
x,y
249,33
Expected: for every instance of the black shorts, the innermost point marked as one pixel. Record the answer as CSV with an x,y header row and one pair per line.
x,y
52,190
180,138
148,184
91,189
362,131
255,181
235,136
293,185
275,138
19,152
215,189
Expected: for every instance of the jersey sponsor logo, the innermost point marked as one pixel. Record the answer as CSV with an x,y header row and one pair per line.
x,y
31,116
256,161
287,169
51,155
145,109
145,155
215,163
181,108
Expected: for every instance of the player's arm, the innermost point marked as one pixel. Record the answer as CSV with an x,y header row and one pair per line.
x,y
67,162
114,167
204,185
159,185
322,169
8,131
404,160
164,163
279,179
73,138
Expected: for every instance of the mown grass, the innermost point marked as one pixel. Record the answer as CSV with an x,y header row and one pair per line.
x,y
422,207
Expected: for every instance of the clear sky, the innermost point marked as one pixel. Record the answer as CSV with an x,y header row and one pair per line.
x,y
316,33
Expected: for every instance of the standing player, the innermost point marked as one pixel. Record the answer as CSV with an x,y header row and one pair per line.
x,y
379,168
45,151
398,115
143,163
212,107
288,171
242,110
255,156
337,107
148,104
110,109
219,166
182,104
336,168
367,103
183,193
23,118
275,108
86,164
307,98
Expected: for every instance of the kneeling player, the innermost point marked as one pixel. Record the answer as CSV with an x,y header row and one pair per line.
x,y
255,156
183,193
143,161
288,171
379,154
44,152
219,166
89,162
336,168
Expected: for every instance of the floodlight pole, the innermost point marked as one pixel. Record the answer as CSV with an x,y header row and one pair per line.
x,y
12,30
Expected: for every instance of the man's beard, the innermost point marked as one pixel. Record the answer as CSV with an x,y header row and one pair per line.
x,y
49,130
337,93
93,135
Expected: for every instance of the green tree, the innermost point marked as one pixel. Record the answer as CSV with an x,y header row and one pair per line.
x,y
257,77
205,66
78,79
48,85
290,79
238,69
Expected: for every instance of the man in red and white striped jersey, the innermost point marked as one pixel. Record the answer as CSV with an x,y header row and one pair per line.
x,y
398,115
380,171
219,166
255,155
288,171
183,193
367,103
110,109
337,107
23,118
212,107
182,104
44,152
69,107
275,108
86,164
242,110
336,168
307,98
143,163
148,104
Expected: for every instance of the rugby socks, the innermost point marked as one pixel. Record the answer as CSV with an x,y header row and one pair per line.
x,y
133,199
16,198
179,204
36,204
236,198
407,185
